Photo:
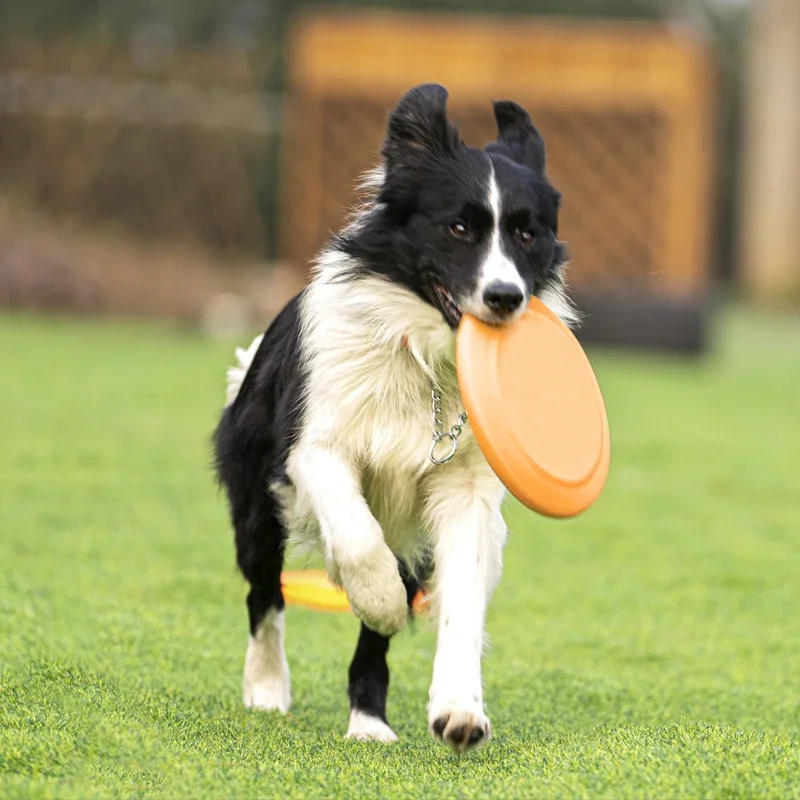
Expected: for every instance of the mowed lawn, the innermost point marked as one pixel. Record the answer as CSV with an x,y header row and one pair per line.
x,y
650,648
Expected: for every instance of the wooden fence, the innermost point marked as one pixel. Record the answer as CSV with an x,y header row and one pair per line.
x,y
626,111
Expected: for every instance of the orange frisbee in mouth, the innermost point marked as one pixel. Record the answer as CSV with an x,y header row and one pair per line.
x,y
536,409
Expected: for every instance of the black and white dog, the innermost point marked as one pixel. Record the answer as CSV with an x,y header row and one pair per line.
x,y
326,435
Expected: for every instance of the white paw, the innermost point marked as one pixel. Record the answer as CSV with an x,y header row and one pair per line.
x,y
267,695
461,727
265,683
376,591
366,728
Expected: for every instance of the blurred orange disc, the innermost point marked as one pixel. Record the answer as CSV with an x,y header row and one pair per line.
x,y
536,410
311,588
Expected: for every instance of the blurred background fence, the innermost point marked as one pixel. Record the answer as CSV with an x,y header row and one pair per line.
x,y
186,157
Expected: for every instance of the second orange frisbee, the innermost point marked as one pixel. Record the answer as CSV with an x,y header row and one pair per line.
x,y
536,410
311,588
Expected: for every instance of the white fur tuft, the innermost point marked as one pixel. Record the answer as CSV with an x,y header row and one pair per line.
x,y
556,299
237,373
366,728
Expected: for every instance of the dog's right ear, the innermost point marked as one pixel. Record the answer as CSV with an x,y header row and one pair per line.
x,y
418,126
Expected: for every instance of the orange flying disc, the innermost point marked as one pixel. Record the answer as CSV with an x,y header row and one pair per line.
x,y
536,410
311,588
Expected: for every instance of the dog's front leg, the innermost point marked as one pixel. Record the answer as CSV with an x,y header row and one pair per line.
x,y
352,537
469,534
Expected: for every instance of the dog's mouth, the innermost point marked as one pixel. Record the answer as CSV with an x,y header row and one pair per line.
x,y
447,305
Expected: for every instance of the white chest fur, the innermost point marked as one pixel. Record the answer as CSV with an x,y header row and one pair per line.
x,y
373,352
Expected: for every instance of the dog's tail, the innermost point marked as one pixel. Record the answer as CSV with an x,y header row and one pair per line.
x,y
236,373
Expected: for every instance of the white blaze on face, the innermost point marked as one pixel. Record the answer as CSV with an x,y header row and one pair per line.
x,y
496,267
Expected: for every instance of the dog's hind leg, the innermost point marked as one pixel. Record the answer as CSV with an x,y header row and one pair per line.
x,y
369,680
260,541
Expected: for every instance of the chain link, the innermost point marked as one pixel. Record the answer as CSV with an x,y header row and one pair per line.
x,y
439,433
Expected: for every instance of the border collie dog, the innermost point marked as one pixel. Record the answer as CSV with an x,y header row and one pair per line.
x,y
327,433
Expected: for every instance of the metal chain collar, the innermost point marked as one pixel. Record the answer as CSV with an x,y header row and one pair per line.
x,y
450,438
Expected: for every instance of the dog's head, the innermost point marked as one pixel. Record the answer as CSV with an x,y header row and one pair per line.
x,y
476,230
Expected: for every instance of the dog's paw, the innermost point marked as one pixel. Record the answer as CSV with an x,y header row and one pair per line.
x,y
460,728
266,695
366,728
265,682
376,591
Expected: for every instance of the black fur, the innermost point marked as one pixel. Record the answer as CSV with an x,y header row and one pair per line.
x,y
251,443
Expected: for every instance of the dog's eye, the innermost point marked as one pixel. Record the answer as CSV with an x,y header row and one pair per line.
x,y
458,228
526,237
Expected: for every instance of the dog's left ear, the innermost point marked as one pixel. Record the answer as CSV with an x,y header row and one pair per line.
x,y
418,126
517,132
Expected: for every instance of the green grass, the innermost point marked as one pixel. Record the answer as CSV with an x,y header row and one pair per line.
x,y
647,649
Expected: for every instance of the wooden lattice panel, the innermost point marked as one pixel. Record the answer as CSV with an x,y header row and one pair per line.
x,y
85,134
624,112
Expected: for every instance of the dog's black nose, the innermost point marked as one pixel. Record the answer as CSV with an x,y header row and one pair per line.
x,y
503,297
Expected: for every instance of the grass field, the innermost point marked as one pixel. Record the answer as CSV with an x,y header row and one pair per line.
x,y
648,649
